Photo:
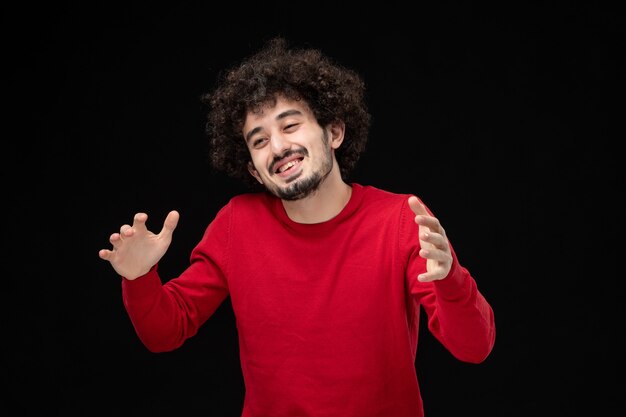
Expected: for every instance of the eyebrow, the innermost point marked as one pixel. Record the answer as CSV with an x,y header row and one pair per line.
x,y
282,115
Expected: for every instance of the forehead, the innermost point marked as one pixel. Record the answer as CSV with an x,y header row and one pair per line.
x,y
271,111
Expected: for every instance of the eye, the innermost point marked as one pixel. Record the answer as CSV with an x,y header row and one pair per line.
x,y
258,142
291,127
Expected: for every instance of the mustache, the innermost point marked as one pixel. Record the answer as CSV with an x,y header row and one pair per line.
x,y
287,154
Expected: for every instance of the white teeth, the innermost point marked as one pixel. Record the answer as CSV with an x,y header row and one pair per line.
x,y
286,166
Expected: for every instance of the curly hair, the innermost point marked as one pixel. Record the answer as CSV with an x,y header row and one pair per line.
x,y
332,92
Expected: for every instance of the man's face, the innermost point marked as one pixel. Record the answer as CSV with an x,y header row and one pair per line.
x,y
291,153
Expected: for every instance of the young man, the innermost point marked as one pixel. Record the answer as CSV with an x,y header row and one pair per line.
x,y
326,277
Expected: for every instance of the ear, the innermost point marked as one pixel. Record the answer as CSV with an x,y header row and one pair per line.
x,y
337,130
252,170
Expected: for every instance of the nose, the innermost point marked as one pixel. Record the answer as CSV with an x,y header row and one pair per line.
x,y
279,144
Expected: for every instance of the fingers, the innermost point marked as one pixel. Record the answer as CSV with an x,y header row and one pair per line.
x,y
435,255
139,223
170,223
126,231
423,217
434,239
431,276
417,207
431,222
139,230
115,239
140,219
434,246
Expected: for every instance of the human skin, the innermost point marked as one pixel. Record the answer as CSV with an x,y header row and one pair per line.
x,y
292,155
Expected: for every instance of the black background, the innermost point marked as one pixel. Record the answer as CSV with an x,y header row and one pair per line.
x,y
504,119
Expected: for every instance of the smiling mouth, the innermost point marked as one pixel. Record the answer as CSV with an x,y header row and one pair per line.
x,y
288,166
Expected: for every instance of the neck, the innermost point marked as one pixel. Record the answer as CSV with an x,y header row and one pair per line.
x,y
324,204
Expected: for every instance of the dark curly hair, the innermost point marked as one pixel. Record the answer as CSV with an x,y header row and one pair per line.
x,y
332,92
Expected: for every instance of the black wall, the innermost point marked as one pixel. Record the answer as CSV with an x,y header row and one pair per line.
x,y
504,120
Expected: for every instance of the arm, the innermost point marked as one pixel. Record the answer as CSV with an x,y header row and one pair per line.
x,y
165,315
458,314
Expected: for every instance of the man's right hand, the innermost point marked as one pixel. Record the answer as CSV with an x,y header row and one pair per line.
x,y
136,249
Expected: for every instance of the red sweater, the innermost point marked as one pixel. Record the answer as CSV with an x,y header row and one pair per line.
x,y
327,314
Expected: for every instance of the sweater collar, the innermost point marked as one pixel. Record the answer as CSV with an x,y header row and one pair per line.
x,y
355,200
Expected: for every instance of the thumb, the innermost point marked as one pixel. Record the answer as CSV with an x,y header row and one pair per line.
x,y
170,223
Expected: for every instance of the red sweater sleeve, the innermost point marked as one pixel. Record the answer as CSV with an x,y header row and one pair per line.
x,y
459,316
165,315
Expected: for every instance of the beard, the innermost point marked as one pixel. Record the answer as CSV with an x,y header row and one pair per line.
x,y
303,187
300,188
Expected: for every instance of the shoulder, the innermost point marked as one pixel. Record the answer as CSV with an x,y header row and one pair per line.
x,y
388,205
248,200
379,198
246,205
240,210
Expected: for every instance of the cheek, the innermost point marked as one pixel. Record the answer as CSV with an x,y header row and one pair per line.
x,y
259,168
258,159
